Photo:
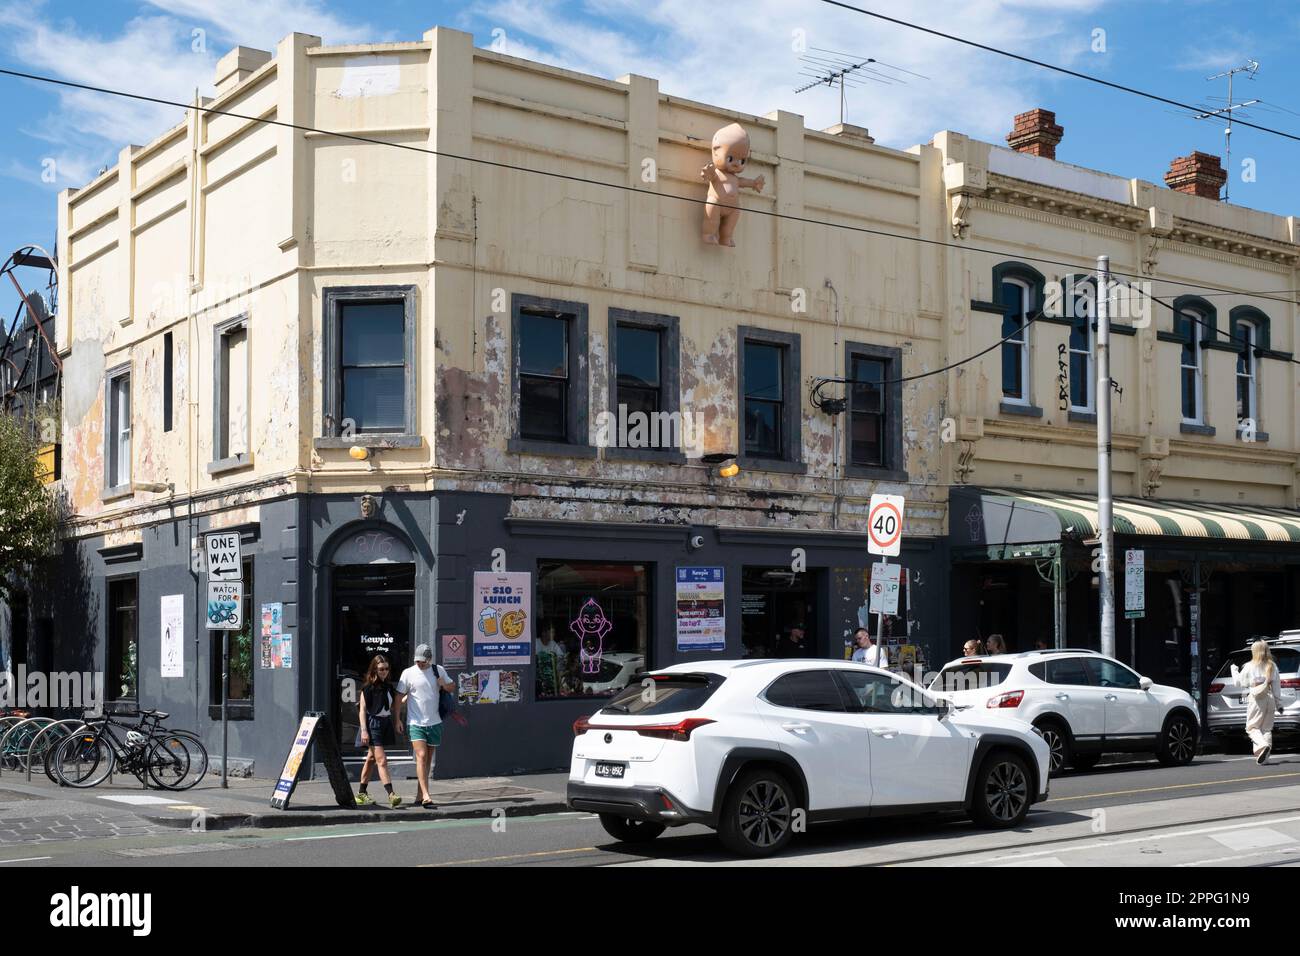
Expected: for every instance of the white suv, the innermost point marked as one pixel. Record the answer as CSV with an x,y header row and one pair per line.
x,y
1225,707
756,748
1083,703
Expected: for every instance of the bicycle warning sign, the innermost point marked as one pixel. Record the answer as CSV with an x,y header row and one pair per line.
x,y
885,525
226,605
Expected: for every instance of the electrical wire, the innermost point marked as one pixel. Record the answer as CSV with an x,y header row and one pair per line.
x,y
1050,66
620,187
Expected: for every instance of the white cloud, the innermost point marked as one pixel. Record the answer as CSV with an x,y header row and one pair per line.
x,y
742,57
262,23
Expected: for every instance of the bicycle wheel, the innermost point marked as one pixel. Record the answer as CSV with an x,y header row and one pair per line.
x,y
41,752
84,760
177,761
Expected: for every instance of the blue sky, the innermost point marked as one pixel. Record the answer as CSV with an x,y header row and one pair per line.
x,y
728,52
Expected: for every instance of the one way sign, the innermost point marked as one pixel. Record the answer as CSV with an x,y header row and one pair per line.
x,y
225,556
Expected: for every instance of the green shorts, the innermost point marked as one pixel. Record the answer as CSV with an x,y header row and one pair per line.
x,y
431,734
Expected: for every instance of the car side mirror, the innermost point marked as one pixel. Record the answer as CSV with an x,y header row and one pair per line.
x,y
1145,683
942,709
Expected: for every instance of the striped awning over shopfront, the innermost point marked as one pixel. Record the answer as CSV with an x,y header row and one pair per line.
x,y
1141,516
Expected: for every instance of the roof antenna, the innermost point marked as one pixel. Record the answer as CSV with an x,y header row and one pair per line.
x,y
1251,68
831,68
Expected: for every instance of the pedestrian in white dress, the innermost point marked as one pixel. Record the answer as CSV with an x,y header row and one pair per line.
x,y
1263,697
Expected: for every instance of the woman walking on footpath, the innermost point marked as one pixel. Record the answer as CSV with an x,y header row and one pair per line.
x,y
418,693
376,712
1263,697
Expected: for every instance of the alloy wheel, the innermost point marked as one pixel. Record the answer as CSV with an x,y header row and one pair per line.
x,y
1007,791
764,813
1182,743
1055,743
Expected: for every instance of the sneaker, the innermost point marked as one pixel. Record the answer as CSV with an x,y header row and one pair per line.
x,y
364,799
1263,755
394,801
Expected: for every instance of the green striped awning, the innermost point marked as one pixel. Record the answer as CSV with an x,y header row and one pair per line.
x,y
1185,519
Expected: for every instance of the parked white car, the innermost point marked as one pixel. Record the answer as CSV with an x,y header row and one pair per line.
x,y
1225,707
751,747
1084,704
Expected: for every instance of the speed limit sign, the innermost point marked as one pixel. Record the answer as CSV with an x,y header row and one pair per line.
x,y
885,525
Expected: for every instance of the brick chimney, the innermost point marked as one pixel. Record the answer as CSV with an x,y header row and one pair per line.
x,y
1036,133
1199,174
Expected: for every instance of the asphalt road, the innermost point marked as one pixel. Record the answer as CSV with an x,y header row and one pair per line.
x,y
1220,810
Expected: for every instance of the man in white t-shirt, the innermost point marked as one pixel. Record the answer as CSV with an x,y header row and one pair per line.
x,y
868,652
417,691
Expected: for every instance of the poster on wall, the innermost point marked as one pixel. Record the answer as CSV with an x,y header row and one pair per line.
x,y
701,609
453,650
501,615
467,687
173,635
273,639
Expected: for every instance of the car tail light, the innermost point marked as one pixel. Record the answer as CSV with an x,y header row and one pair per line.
x,y
1292,682
1216,687
581,726
678,731
1011,698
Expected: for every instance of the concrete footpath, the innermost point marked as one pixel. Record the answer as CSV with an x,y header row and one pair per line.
x,y
247,801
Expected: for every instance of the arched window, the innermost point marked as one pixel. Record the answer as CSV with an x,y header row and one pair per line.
x,y
1018,289
1081,294
1249,330
1194,323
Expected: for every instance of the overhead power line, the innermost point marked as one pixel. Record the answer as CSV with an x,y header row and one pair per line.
x,y
619,187
1048,66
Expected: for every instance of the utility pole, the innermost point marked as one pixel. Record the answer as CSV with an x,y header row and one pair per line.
x,y
1105,504
1251,67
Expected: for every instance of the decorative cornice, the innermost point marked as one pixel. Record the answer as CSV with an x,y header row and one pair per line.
x,y
1001,204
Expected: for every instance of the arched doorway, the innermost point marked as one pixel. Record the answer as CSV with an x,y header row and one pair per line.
x,y
371,611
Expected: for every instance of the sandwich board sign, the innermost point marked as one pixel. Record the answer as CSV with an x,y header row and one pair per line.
x,y
885,525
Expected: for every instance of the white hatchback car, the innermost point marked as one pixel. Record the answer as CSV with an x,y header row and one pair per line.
x,y
1084,704
754,748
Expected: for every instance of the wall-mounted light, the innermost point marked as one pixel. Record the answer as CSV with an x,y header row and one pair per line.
x,y
359,452
157,487
728,468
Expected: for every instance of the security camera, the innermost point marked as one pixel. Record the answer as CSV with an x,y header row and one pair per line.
x,y
697,542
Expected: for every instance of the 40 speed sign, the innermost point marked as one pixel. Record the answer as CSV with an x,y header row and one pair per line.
x,y
885,525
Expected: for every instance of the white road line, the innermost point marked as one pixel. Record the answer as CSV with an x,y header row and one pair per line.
x,y
339,836
1219,861
1255,839
28,859
1105,844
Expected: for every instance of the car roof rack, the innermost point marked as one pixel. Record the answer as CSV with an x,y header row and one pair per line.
x,y
1062,650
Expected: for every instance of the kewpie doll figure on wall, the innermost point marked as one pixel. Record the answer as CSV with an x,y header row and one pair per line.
x,y
730,154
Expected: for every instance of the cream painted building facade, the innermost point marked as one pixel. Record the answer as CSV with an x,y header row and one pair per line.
x,y
377,308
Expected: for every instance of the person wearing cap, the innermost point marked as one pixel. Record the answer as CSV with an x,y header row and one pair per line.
x,y
417,691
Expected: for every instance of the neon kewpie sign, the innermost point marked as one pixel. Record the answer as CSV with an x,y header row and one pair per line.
x,y
590,627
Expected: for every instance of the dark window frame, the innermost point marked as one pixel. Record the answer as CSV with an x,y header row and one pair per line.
x,y
894,467
791,455
112,430
222,460
578,401
333,299
169,380
1199,334
236,709
669,329
113,671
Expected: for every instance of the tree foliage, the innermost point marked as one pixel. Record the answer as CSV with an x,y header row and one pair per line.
x,y
28,512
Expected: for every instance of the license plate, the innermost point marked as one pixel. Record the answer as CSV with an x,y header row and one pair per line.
x,y
614,770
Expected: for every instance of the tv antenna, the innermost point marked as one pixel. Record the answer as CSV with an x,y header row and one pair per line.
x,y
1250,69
832,69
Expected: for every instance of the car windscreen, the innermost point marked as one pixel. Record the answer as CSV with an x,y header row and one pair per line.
x,y
664,694
1288,660
974,675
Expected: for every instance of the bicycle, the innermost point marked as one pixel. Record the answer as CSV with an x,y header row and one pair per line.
x,y
172,760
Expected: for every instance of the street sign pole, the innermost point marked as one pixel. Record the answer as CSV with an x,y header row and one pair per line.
x,y
225,558
1105,504
880,618
225,717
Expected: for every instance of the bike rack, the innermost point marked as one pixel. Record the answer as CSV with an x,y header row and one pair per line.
x,y
44,730
4,738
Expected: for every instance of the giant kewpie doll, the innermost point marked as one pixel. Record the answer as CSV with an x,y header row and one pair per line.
x,y
721,209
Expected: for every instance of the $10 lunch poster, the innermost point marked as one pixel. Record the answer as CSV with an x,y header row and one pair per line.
x,y
501,616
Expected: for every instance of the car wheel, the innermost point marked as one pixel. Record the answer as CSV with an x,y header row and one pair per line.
x,y
1002,791
1058,741
1177,741
630,831
758,814
1084,761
